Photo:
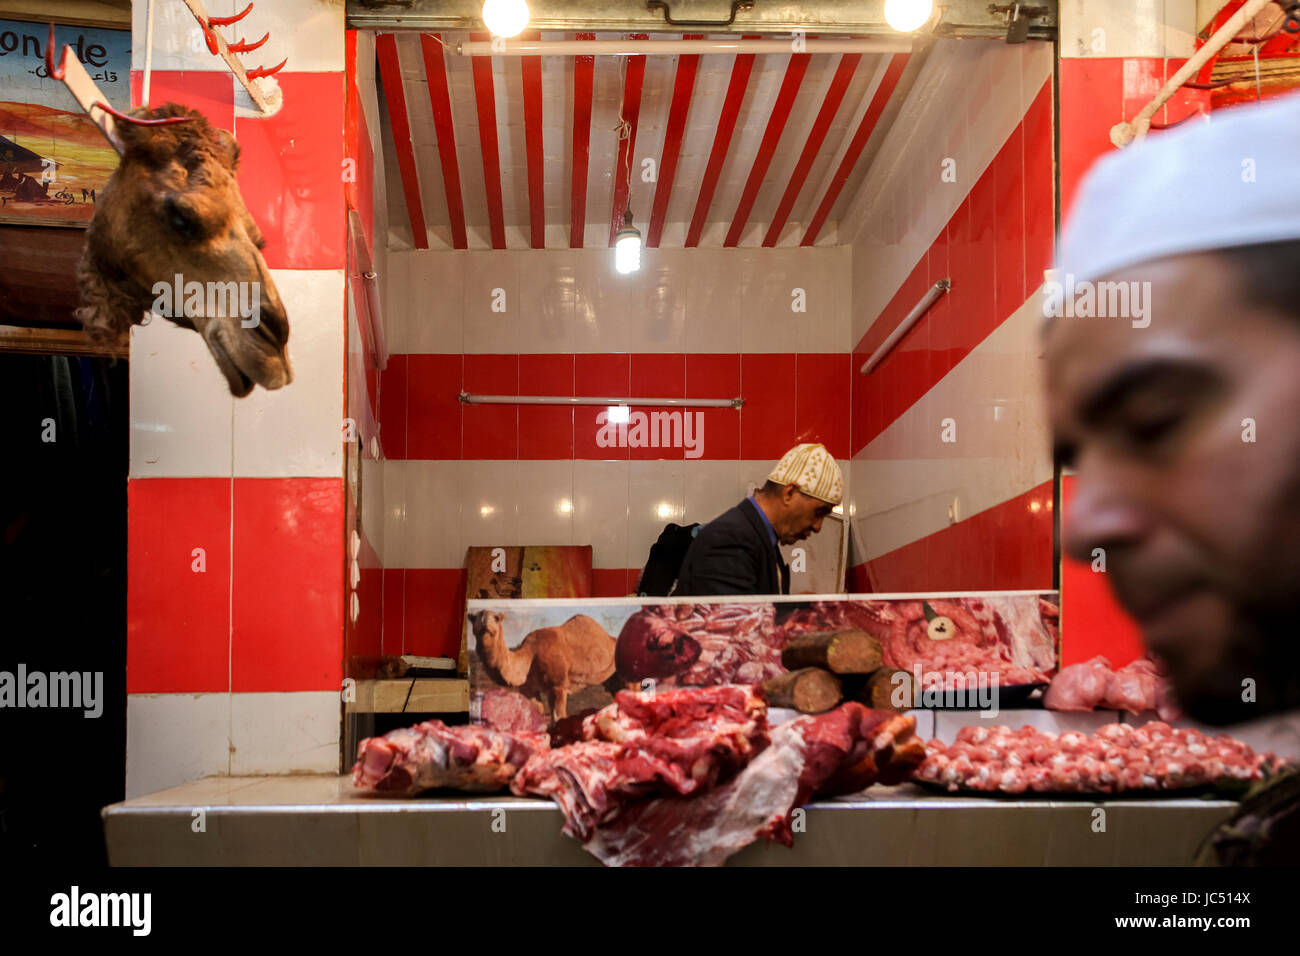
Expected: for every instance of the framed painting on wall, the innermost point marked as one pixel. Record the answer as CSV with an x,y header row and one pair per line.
x,y
53,160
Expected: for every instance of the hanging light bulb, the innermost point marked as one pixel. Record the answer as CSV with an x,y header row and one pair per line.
x,y
627,247
908,15
505,18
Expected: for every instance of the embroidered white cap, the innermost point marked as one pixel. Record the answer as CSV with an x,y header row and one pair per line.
x,y
814,470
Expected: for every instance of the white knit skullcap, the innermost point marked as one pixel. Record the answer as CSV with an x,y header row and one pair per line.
x,y
814,470
1232,181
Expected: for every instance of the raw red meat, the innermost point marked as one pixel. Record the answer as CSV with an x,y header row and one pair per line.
x,y
700,644
431,755
1132,688
1012,636
1079,686
511,711
1117,758
655,782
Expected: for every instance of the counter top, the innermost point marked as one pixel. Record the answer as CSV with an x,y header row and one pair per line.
x,y
322,820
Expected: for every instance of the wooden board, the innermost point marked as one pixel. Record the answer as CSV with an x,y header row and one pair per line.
x,y
423,695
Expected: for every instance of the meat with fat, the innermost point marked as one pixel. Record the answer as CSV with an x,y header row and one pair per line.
x,y
432,755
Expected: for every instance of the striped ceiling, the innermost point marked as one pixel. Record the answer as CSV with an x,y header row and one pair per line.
x,y
524,152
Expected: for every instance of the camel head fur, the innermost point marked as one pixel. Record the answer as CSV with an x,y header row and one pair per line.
x,y
170,227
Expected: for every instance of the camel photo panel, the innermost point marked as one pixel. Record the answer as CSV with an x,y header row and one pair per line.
x,y
533,663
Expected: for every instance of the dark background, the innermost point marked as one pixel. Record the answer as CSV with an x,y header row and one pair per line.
x,y
63,510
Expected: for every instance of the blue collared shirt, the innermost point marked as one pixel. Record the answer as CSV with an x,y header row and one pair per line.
x,y
771,532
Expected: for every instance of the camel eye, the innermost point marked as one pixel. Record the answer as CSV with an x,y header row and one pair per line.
x,y
180,219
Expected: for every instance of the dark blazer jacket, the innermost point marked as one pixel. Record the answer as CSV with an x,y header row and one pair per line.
x,y
733,554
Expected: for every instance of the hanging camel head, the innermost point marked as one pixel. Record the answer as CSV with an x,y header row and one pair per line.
x,y
173,209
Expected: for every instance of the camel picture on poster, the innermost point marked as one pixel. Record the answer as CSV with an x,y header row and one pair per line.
x,y
54,162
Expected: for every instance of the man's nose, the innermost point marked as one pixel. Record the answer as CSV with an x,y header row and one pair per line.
x,y
1101,514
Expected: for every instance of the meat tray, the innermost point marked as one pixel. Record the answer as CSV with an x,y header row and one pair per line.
x,y
1208,791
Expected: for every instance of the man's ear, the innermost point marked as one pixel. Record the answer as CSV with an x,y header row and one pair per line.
x,y
789,493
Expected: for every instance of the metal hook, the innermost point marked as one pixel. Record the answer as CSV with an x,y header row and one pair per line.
x,y
61,71
263,71
243,46
163,121
227,21
736,7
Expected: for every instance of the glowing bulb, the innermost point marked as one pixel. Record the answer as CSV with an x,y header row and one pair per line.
x,y
1035,506
627,251
505,18
486,510
565,506
908,15
618,415
665,510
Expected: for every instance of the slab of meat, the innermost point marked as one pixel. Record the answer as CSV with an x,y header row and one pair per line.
x,y
1079,686
511,711
1137,687
700,644
1011,635
676,741
1118,758
432,755
623,792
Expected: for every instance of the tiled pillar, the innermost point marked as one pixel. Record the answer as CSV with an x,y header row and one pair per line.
x,y
236,581
1115,56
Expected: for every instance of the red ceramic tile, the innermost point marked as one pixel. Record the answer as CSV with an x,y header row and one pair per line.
x,y
545,432
435,609
767,420
1142,78
392,408
1040,218
394,603
433,425
1091,102
612,582
288,578
661,375
600,375
178,618
1185,102
210,92
822,401
716,375
1009,179
290,173
365,638
491,431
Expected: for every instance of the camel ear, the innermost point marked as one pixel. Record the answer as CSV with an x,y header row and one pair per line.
x,y
229,148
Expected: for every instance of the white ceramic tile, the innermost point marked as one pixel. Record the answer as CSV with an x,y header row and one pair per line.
x,y
924,723
431,507
1127,28
548,291
175,738
310,33
713,301
602,304
546,502
767,284
297,430
712,487
395,526
657,302
489,496
284,732
182,412
600,510
490,281
436,317
656,498
178,42
374,518
396,284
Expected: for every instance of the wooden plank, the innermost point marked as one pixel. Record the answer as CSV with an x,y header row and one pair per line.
x,y
54,342
437,695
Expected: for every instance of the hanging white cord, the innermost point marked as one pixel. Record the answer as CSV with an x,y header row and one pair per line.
x,y
625,133
148,54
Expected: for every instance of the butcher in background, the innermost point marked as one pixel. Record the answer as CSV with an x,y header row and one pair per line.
x,y
1180,416
739,551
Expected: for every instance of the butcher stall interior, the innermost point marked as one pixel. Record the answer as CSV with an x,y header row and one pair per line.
x,y
520,308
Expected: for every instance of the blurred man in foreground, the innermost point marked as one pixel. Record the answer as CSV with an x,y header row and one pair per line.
x,y
1173,348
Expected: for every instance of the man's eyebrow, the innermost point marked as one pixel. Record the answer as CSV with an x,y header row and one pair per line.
x,y
1131,376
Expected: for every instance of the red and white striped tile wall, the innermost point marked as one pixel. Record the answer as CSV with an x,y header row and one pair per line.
x,y
1115,56
952,471
234,664
700,323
